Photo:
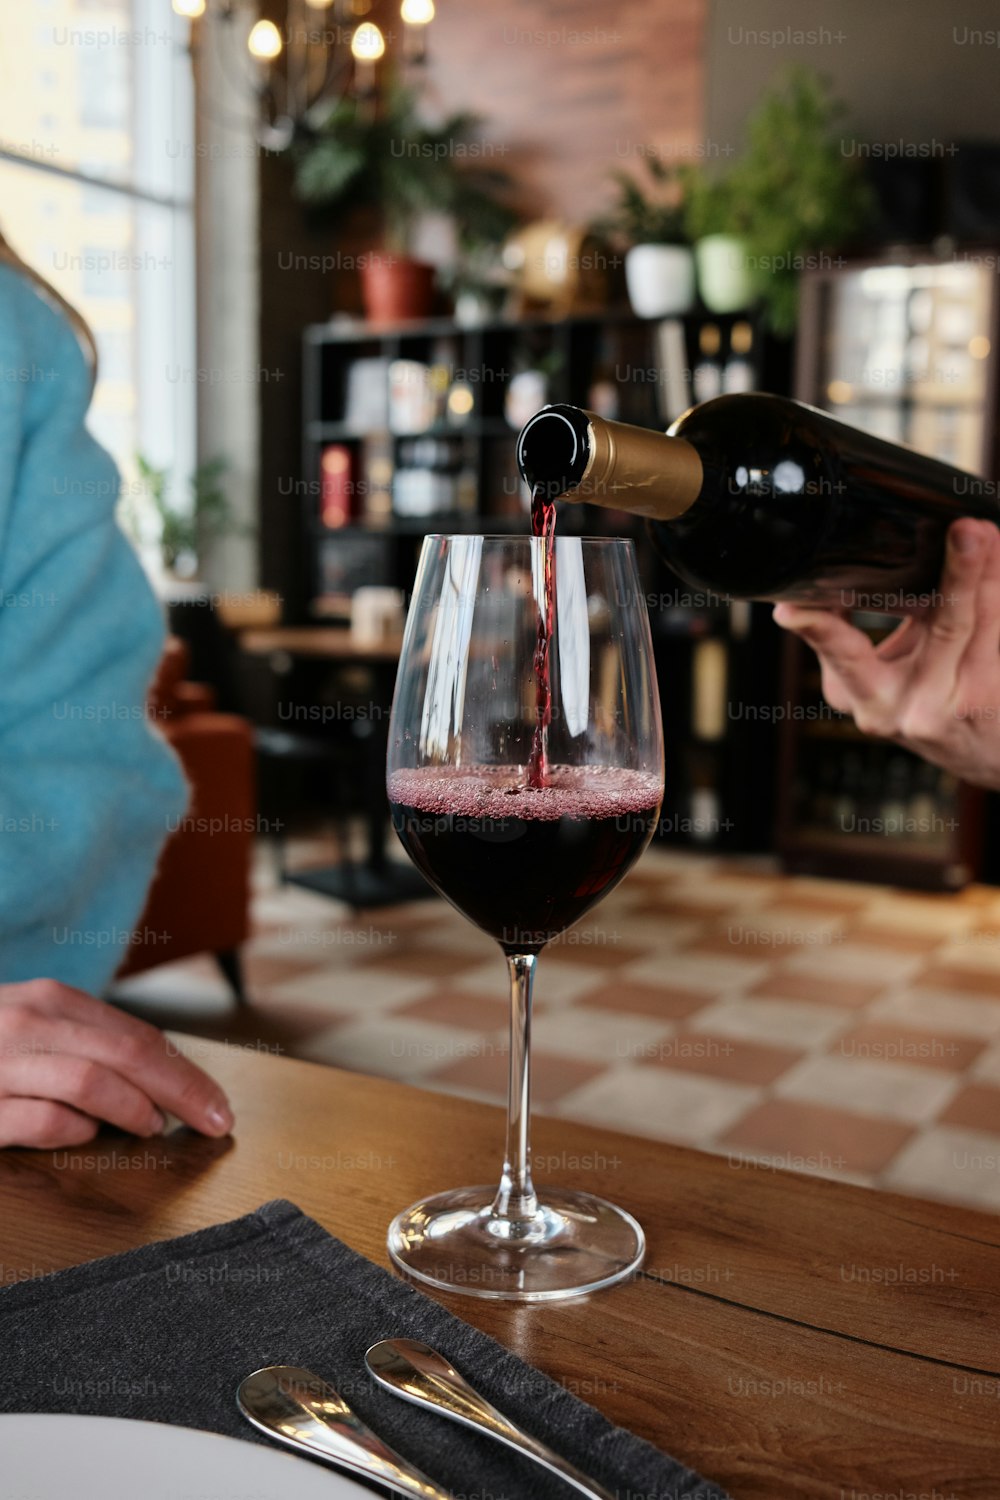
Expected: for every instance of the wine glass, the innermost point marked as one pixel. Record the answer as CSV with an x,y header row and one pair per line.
x,y
523,808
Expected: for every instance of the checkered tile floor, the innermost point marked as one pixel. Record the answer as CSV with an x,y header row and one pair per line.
x,y
847,1030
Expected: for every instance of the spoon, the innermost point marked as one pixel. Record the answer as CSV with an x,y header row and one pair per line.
x,y
419,1374
298,1408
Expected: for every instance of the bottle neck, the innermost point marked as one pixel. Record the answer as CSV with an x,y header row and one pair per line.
x,y
566,451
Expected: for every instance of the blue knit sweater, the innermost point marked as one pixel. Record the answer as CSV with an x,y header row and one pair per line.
x,y
87,787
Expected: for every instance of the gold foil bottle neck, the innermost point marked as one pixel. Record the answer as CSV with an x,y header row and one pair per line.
x,y
638,470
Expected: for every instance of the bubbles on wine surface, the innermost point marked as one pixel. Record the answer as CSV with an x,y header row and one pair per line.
x,y
585,792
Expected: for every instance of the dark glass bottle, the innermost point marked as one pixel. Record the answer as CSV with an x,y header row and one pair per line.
x,y
759,497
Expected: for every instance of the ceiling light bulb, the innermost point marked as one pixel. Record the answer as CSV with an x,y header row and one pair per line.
x,y
417,12
189,9
264,41
368,43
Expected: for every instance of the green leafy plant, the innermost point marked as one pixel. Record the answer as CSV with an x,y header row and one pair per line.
x,y
185,532
393,161
647,217
804,195
792,195
715,205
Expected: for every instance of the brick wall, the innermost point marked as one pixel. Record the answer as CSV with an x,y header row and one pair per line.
x,y
573,88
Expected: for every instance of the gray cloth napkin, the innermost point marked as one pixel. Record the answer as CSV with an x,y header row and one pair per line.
x,y
165,1333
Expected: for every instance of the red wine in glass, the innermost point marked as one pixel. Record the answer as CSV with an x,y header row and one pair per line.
x,y
524,863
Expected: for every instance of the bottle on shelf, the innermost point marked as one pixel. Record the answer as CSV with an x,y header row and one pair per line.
x,y
337,488
759,497
870,805
846,803
895,796
709,688
927,807
704,808
605,390
412,397
706,377
426,478
467,490
440,379
375,489
738,373
673,378
821,796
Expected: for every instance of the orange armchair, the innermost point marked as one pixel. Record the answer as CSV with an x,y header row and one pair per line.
x,y
199,901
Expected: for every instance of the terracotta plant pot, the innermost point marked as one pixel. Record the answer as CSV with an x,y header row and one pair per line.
x,y
396,289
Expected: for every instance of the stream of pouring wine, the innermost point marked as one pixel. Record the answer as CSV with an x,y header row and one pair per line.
x,y
543,524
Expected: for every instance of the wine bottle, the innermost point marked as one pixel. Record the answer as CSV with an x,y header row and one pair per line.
x,y
759,497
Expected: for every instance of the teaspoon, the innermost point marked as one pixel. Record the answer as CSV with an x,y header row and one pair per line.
x,y
419,1374
298,1408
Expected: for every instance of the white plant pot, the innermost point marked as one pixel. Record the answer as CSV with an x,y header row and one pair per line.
x,y
660,280
723,274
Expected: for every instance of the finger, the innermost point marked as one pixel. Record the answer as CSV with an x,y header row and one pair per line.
x,y
842,648
903,641
88,1086
44,1124
178,1086
51,998
949,627
982,656
134,1049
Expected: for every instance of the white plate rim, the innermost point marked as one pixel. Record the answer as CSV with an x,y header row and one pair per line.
x,y
289,1474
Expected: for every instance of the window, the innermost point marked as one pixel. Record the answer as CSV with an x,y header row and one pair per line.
x,y
92,95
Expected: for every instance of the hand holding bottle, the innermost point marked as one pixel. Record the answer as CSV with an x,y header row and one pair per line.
x,y
933,685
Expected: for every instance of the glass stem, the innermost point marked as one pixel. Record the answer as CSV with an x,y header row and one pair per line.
x,y
515,1199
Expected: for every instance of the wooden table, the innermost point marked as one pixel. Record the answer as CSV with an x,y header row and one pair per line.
x,y
328,642
789,1336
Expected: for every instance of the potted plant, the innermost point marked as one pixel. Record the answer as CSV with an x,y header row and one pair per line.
x,y
804,196
659,268
792,196
182,532
391,160
718,222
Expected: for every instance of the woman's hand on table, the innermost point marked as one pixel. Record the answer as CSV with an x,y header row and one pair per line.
x,y
70,1063
933,685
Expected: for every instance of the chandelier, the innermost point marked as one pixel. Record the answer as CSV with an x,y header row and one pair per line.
x,y
322,51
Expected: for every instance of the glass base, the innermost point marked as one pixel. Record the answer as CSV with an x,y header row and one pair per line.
x,y
575,1244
